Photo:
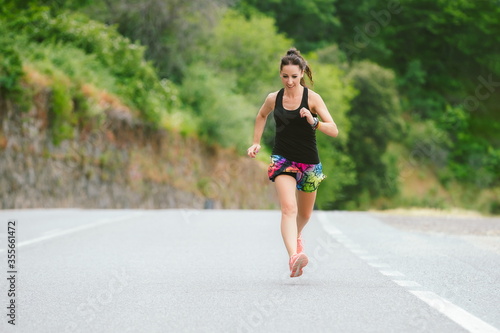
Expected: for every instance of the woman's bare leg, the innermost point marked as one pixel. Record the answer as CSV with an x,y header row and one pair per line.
x,y
305,206
286,188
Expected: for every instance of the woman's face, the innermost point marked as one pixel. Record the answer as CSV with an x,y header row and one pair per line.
x,y
290,76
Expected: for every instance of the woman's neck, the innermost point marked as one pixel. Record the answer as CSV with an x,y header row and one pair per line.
x,y
294,92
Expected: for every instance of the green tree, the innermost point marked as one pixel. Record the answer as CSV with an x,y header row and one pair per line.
x,y
239,66
250,47
12,6
337,93
248,50
446,55
375,121
310,23
222,116
173,31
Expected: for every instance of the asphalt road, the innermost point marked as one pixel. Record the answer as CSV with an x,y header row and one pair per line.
x,y
227,271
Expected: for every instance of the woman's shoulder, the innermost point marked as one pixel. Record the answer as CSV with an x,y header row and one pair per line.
x,y
273,94
314,100
271,97
312,93
313,96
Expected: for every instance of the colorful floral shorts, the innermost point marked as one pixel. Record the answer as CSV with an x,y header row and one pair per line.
x,y
308,176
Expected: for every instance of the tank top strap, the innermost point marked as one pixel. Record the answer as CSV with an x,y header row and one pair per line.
x,y
279,99
305,99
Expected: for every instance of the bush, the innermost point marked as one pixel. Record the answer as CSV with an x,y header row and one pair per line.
x,y
53,59
337,92
375,116
11,69
136,79
223,116
251,49
471,159
61,116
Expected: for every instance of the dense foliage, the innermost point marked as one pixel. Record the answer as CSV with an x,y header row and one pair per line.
x,y
411,83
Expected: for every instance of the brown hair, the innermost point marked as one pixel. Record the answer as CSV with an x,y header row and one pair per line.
x,y
293,57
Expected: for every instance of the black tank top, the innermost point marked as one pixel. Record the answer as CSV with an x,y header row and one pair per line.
x,y
295,139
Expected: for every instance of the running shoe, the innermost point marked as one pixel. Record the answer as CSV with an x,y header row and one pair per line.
x,y
297,262
300,244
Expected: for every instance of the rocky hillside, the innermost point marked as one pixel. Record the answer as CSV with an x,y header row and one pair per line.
x,y
118,163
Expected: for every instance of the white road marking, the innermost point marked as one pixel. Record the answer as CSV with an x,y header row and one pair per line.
x,y
344,242
51,231
455,313
405,283
73,230
392,273
351,246
328,226
369,258
378,265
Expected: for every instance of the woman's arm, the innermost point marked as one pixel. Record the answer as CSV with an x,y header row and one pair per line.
x,y
326,125
260,123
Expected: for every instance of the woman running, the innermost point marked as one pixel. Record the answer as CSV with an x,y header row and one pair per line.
x,y
295,163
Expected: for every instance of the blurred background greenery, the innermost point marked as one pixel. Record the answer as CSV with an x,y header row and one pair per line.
x,y
414,85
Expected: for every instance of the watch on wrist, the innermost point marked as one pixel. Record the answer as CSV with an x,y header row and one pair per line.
x,y
315,125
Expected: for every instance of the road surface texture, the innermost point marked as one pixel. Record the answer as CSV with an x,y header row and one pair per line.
x,y
227,271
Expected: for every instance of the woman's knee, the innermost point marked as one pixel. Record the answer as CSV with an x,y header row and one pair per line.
x,y
289,208
305,215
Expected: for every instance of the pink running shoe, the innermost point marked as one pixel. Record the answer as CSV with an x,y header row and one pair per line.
x,y
300,244
297,262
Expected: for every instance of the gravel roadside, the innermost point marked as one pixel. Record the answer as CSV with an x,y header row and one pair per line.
x,y
441,222
481,231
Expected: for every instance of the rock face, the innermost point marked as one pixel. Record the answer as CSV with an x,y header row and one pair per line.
x,y
119,162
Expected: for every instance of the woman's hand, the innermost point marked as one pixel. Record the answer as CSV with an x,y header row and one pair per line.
x,y
306,113
253,150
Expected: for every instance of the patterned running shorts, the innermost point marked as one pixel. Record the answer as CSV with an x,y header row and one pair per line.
x,y
308,176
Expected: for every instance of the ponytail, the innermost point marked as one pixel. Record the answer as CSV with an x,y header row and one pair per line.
x,y
309,74
293,57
